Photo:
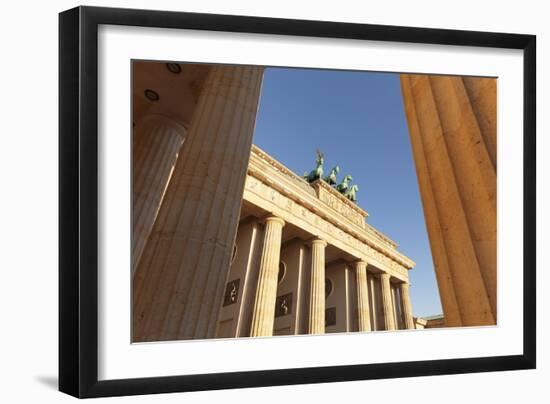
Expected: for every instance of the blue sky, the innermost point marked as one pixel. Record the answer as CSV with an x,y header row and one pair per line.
x,y
357,120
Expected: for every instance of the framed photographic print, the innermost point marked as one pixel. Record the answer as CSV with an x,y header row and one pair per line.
x,y
250,201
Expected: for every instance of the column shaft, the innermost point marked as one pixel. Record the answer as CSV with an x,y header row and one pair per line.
x,y
406,304
452,128
387,303
178,285
157,140
482,93
263,315
317,288
363,311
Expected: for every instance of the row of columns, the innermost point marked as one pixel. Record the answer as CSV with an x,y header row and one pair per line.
x,y
263,315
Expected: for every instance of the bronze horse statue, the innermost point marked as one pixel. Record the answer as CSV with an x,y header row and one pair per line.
x,y
316,173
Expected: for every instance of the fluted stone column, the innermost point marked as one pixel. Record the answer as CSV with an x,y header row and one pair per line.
x,y
179,281
406,304
482,95
263,316
452,126
387,304
363,311
317,288
157,140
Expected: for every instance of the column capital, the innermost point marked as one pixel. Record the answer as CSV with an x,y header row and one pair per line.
x,y
359,263
385,275
273,219
164,118
318,241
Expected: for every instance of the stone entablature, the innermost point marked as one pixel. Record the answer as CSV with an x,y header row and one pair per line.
x,y
282,193
347,209
339,202
282,169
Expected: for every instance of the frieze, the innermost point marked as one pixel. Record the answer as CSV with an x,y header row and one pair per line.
x,y
340,204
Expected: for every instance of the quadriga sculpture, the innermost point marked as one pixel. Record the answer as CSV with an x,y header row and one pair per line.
x,y
318,171
351,193
344,185
331,178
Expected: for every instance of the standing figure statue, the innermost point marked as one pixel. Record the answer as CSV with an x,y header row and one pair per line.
x,y
343,186
318,171
331,178
351,193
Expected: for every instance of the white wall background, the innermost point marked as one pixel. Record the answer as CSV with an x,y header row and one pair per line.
x,y
28,202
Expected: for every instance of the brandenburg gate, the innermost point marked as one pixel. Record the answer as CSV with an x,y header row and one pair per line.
x,y
227,242
306,262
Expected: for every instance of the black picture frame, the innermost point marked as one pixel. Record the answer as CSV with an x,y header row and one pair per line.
x,y
78,200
